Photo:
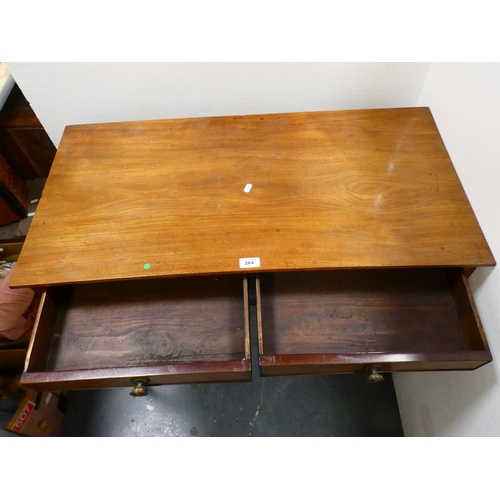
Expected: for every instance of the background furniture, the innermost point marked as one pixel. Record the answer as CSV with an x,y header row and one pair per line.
x,y
23,140
27,151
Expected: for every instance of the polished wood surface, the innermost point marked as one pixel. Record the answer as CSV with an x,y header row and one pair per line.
x,y
465,305
323,319
330,190
189,328
188,373
316,364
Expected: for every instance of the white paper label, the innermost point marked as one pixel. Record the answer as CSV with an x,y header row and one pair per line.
x,y
249,262
247,188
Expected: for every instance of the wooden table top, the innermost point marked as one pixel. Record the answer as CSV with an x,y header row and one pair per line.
x,y
329,190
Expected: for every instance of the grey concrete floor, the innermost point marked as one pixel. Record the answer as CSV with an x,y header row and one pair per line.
x,y
316,405
333,405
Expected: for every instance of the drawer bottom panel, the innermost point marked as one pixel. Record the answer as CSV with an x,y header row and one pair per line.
x,y
168,330
353,321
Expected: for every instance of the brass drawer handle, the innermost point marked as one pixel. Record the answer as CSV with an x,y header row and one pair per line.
x,y
375,377
139,388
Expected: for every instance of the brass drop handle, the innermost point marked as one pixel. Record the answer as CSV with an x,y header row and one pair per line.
x,y
139,389
375,377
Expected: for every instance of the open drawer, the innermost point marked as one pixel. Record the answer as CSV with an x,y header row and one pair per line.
x,y
143,332
368,321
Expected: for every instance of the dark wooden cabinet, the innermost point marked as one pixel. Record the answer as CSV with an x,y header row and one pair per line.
x,y
29,153
23,141
26,155
13,200
355,224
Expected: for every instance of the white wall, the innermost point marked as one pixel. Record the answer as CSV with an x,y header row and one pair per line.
x,y
68,93
465,102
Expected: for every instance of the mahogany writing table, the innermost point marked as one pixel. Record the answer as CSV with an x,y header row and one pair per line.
x,y
354,225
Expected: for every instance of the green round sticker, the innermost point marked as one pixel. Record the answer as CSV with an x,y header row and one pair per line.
x,y
147,266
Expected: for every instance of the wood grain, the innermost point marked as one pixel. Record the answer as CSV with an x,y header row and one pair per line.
x,y
43,329
331,190
408,310
188,373
466,308
140,324
315,364
349,321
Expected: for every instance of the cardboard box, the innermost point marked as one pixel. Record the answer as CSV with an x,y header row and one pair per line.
x,y
39,414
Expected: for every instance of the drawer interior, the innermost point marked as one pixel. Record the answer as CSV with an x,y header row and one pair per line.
x,y
142,323
367,311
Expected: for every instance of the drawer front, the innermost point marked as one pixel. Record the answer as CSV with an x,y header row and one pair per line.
x,y
360,321
145,332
